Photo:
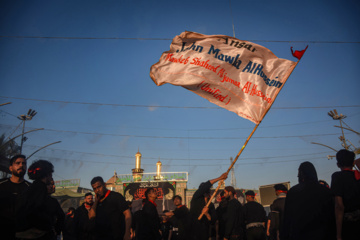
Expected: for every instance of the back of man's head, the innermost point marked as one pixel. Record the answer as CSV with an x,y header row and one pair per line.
x,y
345,158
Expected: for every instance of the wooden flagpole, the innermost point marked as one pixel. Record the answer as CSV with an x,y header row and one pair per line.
x,y
247,140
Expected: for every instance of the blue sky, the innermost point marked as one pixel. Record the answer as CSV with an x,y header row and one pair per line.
x,y
99,53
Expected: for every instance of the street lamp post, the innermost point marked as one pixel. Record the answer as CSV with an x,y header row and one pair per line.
x,y
336,116
31,113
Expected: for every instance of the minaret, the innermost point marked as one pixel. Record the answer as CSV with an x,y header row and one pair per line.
x,y
137,171
158,170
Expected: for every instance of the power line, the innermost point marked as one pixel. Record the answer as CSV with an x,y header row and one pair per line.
x,y
182,165
178,159
177,137
156,106
169,39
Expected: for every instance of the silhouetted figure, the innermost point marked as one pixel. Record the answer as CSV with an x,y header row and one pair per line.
x,y
345,185
201,228
309,208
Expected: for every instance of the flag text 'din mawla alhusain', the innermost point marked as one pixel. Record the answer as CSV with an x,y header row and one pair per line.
x,y
240,76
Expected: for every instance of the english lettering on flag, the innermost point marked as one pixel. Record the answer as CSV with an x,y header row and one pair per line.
x,y
240,76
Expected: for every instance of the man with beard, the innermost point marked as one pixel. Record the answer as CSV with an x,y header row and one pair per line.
x,y
110,212
233,216
10,189
83,225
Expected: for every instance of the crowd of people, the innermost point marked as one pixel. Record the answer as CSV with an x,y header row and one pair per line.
x,y
309,210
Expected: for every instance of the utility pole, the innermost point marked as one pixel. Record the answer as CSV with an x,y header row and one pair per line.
x,y
31,113
336,116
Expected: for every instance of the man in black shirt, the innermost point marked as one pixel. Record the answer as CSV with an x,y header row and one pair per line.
x,y
255,218
346,188
150,227
201,228
276,215
111,213
234,216
179,220
10,189
220,214
83,225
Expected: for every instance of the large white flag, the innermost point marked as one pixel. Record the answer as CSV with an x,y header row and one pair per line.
x,y
240,76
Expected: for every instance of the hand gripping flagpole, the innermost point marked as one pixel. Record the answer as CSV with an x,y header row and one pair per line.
x,y
253,131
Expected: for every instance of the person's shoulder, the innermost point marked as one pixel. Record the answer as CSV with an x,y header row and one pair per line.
x,y
116,195
337,174
27,183
4,180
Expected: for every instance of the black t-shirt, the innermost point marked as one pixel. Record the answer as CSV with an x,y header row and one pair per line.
x,y
181,223
234,219
83,225
110,221
9,193
345,185
150,222
254,212
9,201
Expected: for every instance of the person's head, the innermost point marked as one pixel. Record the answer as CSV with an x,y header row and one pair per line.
x,y
307,173
50,187
345,158
250,196
99,186
89,200
41,170
18,166
177,200
150,194
229,192
280,188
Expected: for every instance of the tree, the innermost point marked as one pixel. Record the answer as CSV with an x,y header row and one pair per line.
x,y
7,150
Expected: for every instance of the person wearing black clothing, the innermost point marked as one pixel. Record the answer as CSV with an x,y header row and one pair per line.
x,y
55,211
220,221
179,220
276,215
346,188
83,226
150,220
34,221
110,212
165,226
10,190
233,216
309,208
255,218
201,228
69,232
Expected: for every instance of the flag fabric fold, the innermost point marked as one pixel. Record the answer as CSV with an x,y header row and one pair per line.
x,y
240,76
